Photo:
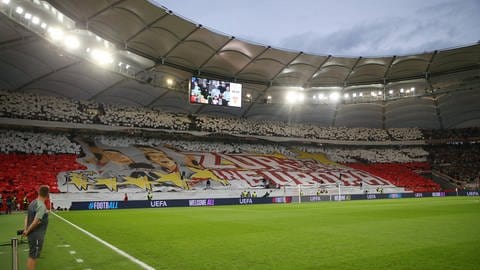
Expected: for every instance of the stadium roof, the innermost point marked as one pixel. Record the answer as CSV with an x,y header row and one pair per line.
x,y
173,46
165,38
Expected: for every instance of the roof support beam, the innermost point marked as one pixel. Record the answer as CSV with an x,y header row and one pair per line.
x,y
388,68
17,42
334,119
181,41
287,65
255,101
216,52
427,70
101,11
147,27
318,69
437,111
251,61
22,87
351,71
158,98
107,88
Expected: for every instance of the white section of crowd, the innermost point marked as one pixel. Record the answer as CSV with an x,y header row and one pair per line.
x,y
37,143
374,155
121,115
196,146
31,106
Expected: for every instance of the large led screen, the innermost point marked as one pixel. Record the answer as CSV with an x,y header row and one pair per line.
x,y
215,92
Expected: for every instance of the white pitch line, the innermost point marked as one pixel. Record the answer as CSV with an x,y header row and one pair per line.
x,y
79,260
112,247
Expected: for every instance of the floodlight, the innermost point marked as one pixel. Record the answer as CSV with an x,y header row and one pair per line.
x,y
71,42
412,89
19,10
300,97
60,17
248,95
346,95
102,57
380,93
269,97
6,2
314,97
43,25
354,95
361,94
169,81
373,94
28,16
408,91
320,96
127,66
35,20
55,33
46,5
401,90
390,91
334,96
120,64
291,97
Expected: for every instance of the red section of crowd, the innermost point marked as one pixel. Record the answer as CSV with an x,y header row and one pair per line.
x,y
401,174
22,174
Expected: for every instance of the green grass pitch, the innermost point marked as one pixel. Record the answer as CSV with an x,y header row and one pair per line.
x,y
428,233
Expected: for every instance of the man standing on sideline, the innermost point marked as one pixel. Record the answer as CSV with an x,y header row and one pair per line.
x,y
36,223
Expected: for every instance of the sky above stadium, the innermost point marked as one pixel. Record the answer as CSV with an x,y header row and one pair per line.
x,y
340,27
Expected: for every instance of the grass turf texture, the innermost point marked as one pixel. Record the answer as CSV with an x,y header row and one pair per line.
x,y
429,233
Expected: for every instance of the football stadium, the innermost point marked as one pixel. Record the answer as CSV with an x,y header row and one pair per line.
x,y
166,144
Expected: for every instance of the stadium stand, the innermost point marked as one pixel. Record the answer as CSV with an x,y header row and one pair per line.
x,y
29,106
402,174
459,161
34,158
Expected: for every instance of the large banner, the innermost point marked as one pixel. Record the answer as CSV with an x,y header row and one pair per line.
x,y
133,168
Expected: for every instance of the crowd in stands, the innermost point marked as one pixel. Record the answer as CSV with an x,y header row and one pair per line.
x,y
297,130
22,174
36,107
29,159
30,106
405,175
459,134
36,143
405,134
336,154
459,161
127,116
196,146
60,109
373,155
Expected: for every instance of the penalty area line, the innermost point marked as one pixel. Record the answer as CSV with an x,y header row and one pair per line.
x,y
112,247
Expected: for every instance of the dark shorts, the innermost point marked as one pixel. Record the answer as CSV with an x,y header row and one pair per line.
x,y
35,247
